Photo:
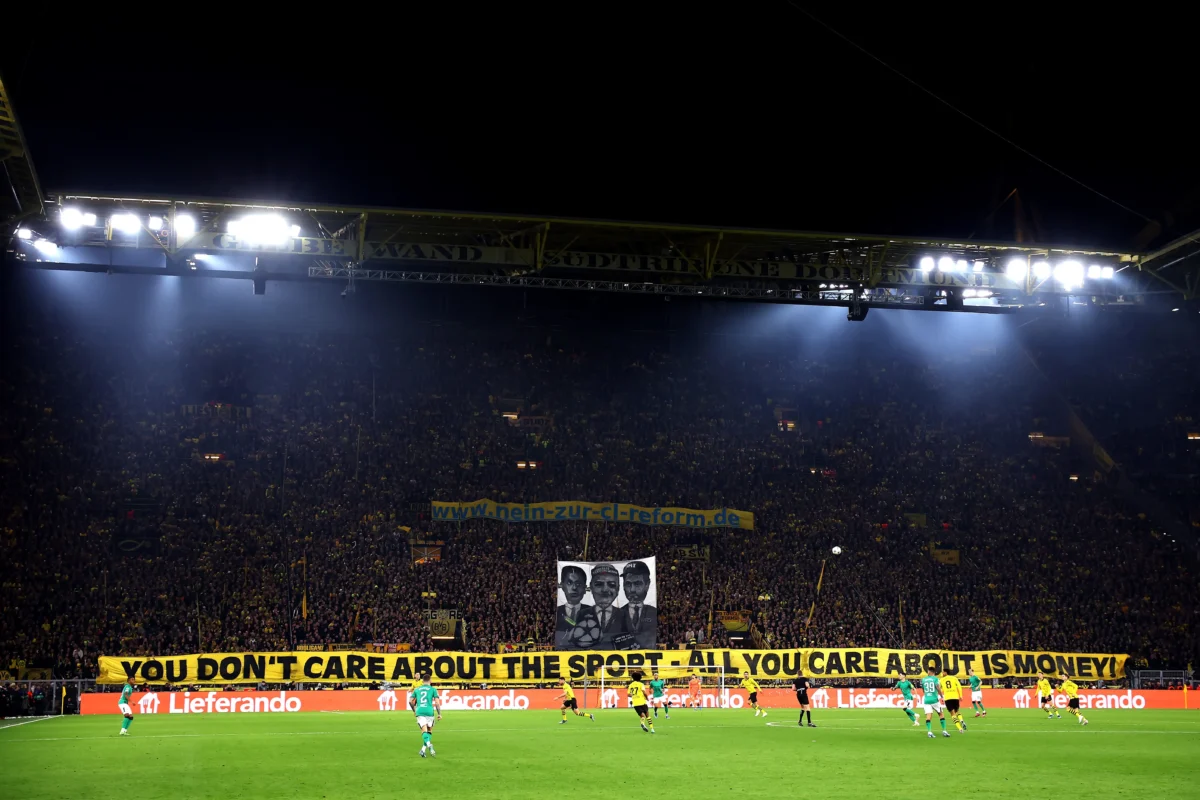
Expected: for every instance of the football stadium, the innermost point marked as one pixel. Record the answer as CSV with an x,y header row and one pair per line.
x,y
326,500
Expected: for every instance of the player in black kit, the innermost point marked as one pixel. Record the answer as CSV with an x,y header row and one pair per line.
x,y
802,685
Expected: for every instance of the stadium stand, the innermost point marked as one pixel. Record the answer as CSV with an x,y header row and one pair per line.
x,y
122,537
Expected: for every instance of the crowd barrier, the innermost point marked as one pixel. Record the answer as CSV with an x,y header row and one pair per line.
x,y
235,702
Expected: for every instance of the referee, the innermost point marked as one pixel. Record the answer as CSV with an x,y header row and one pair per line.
x,y
802,685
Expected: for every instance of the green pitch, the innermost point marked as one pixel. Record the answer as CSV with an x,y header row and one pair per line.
x,y
492,754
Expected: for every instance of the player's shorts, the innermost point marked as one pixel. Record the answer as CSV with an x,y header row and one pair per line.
x,y
976,695
1074,703
642,711
125,709
906,702
571,704
933,708
754,697
658,700
952,705
425,722
802,696
1046,699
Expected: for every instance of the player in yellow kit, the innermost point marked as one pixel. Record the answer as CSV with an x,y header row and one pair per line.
x,y
637,698
952,693
1046,697
751,686
1069,688
569,703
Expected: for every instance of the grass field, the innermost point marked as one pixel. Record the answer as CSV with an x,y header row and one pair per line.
x,y
695,754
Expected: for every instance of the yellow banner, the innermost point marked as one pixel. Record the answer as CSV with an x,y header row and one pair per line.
x,y
540,667
945,556
577,510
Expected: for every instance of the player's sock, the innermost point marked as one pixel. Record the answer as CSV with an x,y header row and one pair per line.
x,y
125,723
651,725
943,721
809,712
929,725
656,711
981,708
427,740
911,716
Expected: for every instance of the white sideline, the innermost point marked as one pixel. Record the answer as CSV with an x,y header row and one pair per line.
x,y
26,722
443,732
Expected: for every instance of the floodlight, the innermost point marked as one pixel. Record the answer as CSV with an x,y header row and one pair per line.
x,y
979,265
260,229
1069,274
125,223
1041,270
968,293
945,264
46,246
24,233
1093,271
1106,273
89,218
294,230
961,265
71,218
185,227
926,263
155,223
1017,270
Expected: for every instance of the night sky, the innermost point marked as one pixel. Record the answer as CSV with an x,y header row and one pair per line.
x,y
738,114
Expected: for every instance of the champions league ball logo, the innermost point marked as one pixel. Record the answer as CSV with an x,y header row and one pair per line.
x,y
586,632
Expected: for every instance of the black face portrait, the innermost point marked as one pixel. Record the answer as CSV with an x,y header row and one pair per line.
x,y
605,588
574,584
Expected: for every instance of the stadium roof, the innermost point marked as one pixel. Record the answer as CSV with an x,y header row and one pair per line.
x,y
22,195
288,240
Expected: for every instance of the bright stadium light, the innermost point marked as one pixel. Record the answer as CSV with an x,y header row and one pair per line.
x,y
1041,270
961,265
1017,270
71,218
1107,273
24,233
294,230
927,264
979,265
968,292
945,264
1069,274
263,229
185,227
1094,271
125,223
46,246
155,223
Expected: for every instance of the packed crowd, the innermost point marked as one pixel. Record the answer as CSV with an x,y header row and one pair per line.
x,y
122,537
1143,404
